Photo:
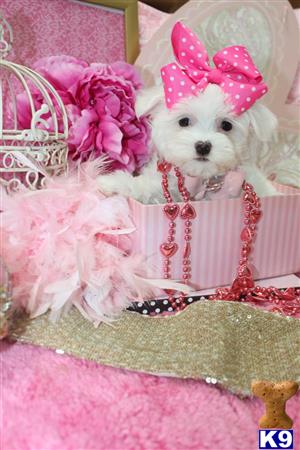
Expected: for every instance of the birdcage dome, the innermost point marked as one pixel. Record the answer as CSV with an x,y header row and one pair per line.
x,y
33,123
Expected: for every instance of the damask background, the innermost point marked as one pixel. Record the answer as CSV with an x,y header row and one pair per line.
x,y
53,27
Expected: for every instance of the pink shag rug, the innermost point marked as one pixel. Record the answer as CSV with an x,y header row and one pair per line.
x,y
56,402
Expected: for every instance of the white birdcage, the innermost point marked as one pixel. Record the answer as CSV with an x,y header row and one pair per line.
x,y
28,153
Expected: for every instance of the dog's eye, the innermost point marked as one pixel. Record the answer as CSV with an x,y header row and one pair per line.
x,y
184,122
226,126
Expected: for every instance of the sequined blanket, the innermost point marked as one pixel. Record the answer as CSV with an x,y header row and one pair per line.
x,y
229,343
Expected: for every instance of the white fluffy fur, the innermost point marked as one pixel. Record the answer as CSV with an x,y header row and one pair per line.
x,y
177,145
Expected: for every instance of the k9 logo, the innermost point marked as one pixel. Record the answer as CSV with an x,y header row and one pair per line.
x,y
269,439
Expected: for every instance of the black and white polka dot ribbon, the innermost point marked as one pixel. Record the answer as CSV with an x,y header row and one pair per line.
x,y
155,307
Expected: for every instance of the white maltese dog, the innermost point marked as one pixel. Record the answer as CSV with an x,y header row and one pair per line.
x,y
202,136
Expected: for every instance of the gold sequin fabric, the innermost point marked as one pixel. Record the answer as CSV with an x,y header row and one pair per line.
x,y
227,343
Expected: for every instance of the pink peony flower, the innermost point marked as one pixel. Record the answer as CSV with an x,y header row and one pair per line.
x,y
99,100
104,122
62,72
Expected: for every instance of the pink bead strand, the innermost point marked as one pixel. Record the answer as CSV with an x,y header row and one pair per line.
x,y
243,287
169,248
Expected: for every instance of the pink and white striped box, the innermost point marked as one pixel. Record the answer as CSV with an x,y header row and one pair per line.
x,y
216,238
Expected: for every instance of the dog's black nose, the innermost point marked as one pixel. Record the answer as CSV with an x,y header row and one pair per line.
x,y
203,148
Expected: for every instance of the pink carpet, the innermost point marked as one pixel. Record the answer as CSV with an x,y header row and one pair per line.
x,y
55,402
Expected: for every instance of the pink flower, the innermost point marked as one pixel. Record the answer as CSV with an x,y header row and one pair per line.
x,y
106,123
99,100
62,72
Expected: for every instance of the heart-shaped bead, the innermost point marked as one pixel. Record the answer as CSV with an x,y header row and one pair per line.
x,y
168,249
164,166
236,286
244,271
246,234
247,282
188,212
242,283
171,211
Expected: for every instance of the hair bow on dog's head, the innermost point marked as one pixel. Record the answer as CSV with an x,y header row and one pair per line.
x,y
234,72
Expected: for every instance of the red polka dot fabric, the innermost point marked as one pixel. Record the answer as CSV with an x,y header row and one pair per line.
x,y
234,72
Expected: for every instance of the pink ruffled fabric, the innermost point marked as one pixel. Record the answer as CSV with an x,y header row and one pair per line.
x,y
69,245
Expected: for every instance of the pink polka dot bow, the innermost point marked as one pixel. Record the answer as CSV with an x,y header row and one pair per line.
x,y
235,72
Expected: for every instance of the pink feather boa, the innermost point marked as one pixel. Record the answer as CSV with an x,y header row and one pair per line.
x,y
69,245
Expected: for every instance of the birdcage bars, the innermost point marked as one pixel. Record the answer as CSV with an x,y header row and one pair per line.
x,y
28,154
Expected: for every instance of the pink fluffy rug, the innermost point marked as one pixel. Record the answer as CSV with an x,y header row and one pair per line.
x,y
55,402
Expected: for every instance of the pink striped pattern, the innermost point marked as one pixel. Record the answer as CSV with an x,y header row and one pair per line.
x,y
216,238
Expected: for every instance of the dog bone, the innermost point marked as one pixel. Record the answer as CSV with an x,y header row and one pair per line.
x,y
275,396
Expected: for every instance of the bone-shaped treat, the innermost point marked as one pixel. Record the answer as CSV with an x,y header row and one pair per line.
x,y
275,396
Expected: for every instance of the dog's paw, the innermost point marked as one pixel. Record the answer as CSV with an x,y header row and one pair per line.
x,y
118,182
107,184
199,196
266,190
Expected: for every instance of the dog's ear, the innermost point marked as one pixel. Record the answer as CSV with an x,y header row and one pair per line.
x,y
263,121
148,99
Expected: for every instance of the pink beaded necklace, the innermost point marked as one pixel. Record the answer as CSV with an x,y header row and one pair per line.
x,y
243,287
172,211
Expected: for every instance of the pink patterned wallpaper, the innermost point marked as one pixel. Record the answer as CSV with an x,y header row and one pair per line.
x,y
51,27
